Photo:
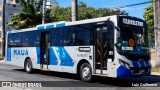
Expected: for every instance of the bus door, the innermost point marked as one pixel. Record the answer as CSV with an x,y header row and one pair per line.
x,y
45,44
101,49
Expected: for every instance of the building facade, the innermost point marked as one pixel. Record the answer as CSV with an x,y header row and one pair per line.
x,y
10,8
1,31
11,1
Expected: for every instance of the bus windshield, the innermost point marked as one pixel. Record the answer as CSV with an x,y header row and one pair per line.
x,y
133,40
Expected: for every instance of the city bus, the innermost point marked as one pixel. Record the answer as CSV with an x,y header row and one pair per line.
x,y
111,46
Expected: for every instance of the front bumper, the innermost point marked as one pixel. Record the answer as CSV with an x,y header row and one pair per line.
x,y
132,72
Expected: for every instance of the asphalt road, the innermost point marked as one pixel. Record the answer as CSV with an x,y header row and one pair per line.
x,y
59,81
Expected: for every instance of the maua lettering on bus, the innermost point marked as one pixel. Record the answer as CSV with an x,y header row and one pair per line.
x,y
132,22
20,52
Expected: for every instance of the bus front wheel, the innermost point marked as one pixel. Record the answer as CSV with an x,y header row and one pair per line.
x,y
28,66
86,72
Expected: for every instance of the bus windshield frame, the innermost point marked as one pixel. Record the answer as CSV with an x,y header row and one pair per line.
x,y
133,42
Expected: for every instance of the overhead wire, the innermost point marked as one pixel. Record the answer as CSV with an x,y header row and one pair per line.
x,y
131,5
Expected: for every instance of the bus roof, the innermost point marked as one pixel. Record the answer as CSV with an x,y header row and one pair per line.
x,y
64,23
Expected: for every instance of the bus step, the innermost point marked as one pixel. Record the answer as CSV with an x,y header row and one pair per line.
x,y
44,69
100,74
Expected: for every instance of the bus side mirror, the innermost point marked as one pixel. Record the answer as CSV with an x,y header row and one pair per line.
x,y
118,29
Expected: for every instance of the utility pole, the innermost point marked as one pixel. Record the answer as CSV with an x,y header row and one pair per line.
x,y
74,10
3,29
157,31
44,9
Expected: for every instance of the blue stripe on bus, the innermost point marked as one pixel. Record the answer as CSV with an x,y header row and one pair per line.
x,y
8,54
142,64
49,26
60,24
38,55
53,60
147,63
40,27
135,64
123,71
66,60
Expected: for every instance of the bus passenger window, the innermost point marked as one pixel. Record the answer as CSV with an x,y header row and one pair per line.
x,y
72,40
56,37
25,43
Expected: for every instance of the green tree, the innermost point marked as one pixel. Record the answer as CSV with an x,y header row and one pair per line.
x,y
29,17
48,17
61,13
32,16
149,18
84,12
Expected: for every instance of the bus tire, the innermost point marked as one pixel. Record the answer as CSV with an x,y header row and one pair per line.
x,y
86,72
28,66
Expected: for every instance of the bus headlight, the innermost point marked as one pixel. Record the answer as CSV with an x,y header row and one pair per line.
x,y
124,64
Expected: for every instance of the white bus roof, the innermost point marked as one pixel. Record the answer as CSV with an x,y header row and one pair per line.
x,y
63,23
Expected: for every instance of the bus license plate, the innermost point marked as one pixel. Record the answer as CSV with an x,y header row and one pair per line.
x,y
141,70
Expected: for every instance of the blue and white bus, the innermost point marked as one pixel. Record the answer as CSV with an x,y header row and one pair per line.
x,y
112,46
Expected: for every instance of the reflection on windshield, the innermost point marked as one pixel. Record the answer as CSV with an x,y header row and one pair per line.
x,y
133,40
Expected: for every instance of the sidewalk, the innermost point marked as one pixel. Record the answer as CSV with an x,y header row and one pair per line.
x,y
153,62
2,61
155,73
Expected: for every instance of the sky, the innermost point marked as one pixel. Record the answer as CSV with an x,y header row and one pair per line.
x,y
136,11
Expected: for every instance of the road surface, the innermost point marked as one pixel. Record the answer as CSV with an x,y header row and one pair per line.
x,y
59,81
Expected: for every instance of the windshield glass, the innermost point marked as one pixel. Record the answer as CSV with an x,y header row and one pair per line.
x,y
133,40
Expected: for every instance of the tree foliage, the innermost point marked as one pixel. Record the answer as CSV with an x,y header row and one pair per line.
x,y
84,12
31,15
149,18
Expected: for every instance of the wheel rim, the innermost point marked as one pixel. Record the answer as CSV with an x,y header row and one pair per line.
x,y
28,66
86,73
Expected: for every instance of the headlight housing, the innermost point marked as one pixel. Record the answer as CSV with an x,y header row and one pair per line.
x,y
124,64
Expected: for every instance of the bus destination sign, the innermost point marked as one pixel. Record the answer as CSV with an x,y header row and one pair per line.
x,y
132,22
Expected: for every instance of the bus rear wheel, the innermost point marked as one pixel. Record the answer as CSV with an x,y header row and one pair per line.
x,y
86,72
28,66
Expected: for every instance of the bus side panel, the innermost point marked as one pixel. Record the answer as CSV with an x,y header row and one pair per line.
x,y
54,60
68,57
17,55
77,54
36,57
